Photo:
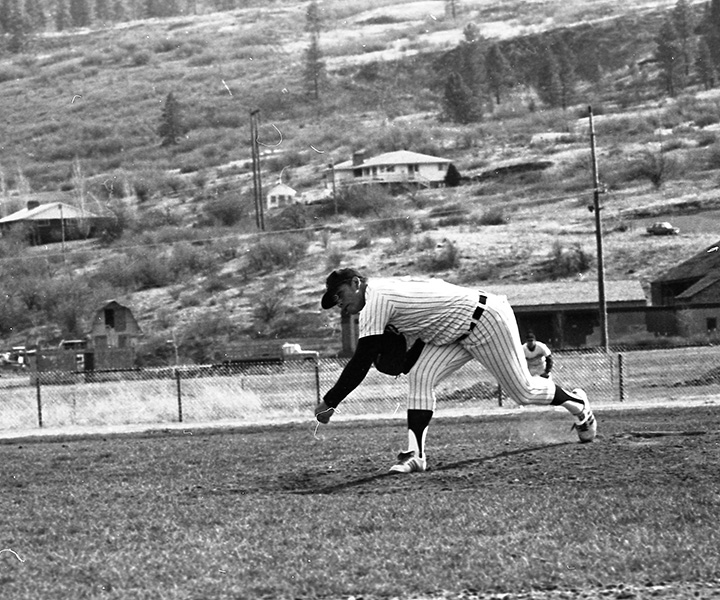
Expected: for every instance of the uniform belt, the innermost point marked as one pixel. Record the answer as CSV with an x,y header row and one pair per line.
x,y
479,310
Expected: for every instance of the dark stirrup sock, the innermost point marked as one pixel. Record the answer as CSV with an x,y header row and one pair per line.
x,y
418,420
561,396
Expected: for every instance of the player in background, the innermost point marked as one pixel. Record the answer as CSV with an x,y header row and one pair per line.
x,y
457,324
538,356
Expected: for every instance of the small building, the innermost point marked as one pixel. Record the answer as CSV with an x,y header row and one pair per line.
x,y
567,314
686,298
52,222
392,168
114,326
281,195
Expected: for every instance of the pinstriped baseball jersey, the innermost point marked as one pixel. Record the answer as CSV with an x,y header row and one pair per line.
x,y
434,310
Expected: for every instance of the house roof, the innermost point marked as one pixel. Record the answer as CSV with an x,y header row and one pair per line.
x,y
399,157
570,293
702,264
51,211
281,188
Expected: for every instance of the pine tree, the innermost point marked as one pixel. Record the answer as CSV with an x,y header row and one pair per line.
x,y
119,12
452,8
459,102
566,73
548,82
704,65
17,27
313,21
498,70
711,30
315,72
103,14
684,26
171,126
35,15
4,15
63,20
80,13
668,54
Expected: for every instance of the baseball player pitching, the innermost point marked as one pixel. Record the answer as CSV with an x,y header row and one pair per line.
x,y
457,324
538,356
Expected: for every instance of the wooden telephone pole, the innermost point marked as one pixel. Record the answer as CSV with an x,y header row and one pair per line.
x,y
598,238
257,178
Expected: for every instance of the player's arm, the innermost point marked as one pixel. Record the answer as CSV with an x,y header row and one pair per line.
x,y
548,364
351,376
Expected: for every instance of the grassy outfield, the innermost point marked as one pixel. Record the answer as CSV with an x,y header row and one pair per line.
x,y
511,503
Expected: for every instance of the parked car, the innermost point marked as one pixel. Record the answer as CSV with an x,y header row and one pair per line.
x,y
662,228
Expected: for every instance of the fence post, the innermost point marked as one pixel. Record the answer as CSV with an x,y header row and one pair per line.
x,y
317,380
499,394
39,399
621,376
179,395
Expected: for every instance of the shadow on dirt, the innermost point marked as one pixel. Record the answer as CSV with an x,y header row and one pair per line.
x,y
356,483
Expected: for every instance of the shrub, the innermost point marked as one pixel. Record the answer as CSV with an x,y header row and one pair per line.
x,y
447,257
392,226
565,262
268,253
224,210
493,216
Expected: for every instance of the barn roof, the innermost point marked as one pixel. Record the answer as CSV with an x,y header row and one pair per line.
x,y
399,157
45,212
704,263
570,294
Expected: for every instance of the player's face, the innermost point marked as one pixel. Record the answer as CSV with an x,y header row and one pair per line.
x,y
350,297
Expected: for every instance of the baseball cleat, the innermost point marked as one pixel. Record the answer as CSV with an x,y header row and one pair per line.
x,y
586,426
409,463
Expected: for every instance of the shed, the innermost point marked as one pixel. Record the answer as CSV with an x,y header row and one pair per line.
x,y
114,326
281,195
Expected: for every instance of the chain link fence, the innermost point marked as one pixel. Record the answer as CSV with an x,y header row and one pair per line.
x,y
259,392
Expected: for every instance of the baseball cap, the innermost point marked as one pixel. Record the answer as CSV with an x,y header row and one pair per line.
x,y
333,282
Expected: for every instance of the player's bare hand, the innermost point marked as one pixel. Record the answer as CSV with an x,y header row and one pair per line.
x,y
323,412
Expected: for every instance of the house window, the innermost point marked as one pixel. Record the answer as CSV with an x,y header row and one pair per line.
x,y
441,167
711,324
390,169
109,314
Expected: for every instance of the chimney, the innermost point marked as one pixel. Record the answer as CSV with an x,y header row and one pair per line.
x,y
358,157
32,204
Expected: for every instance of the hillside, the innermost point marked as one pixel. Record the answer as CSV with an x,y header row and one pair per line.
x,y
81,112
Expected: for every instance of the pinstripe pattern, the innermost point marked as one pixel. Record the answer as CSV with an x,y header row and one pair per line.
x,y
436,311
495,343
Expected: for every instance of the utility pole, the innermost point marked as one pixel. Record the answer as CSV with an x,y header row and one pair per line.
x,y
257,179
334,191
598,237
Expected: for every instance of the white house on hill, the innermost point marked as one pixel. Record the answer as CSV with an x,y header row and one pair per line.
x,y
281,195
400,167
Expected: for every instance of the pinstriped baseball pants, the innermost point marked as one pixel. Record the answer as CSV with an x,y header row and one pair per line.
x,y
494,343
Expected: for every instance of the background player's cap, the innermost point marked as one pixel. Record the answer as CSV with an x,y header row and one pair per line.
x,y
333,282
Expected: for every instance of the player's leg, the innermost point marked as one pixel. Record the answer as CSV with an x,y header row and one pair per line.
x,y
495,343
434,364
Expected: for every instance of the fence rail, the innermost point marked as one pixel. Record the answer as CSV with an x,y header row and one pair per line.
x,y
262,391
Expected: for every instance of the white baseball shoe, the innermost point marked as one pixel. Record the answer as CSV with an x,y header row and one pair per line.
x,y
586,426
409,463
